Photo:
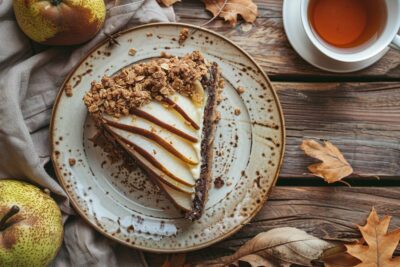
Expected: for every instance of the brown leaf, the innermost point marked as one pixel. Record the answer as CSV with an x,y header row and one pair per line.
x,y
230,9
338,257
175,260
380,245
254,260
333,167
285,246
168,2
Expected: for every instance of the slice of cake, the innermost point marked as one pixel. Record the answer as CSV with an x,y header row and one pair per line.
x,y
162,114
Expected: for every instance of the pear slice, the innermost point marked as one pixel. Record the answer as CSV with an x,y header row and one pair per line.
x,y
157,155
178,193
167,115
190,111
176,145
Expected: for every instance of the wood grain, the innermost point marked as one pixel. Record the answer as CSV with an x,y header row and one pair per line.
x,y
267,43
330,213
362,119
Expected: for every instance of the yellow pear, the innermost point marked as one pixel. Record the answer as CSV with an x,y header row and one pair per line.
x,y
31,229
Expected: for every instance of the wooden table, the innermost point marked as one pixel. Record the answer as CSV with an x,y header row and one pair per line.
x,y
359,112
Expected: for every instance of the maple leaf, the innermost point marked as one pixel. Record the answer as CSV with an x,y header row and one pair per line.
x,y
230,9
168,2
380,244
333,167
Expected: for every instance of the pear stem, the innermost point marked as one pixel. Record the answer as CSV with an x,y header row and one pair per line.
x,y
14,210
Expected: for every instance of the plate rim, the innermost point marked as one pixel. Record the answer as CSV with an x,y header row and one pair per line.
x,y
143,248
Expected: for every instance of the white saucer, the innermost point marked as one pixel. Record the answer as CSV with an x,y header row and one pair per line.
x,y
304,47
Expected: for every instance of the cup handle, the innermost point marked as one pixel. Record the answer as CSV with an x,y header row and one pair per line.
x,y
396,42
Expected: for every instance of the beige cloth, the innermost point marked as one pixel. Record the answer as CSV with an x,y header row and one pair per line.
x,y
29,81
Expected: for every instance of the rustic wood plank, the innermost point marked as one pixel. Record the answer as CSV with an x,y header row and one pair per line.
x,y
330,213
362,119
267,43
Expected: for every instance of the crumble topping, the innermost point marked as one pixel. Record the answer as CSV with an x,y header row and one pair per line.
x,y
132,52
237,111
138,84
68,90
71,161
240,90
183,35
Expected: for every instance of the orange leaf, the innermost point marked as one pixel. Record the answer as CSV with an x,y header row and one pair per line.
x,y
232,8
168,2
333,167
380,244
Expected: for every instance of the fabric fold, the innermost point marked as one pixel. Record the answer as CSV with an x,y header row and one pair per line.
x,y
29,82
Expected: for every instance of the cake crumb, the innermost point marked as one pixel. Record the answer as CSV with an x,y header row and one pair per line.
x,y
132,51
71,162
240,90
218,182
237,111
183,35
229,183
164,54
149,34
68,90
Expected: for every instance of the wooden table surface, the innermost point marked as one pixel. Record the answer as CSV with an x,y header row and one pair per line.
x,y
359,112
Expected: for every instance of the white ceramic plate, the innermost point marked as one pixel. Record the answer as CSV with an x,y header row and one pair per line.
x,y
305,48
126,206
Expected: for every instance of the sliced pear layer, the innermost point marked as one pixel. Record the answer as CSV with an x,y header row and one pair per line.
x,y
158,155
181,199
176,145
169,117
155,172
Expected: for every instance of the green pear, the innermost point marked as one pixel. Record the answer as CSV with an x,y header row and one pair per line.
x,y
31,229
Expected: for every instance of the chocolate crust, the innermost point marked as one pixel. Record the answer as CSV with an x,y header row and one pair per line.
x,y
203,183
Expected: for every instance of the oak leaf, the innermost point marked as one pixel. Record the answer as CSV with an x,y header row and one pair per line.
x,y
230,9
279,247
380,245
333,167
168,2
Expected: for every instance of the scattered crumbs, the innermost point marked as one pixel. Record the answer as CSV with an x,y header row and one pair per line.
x,y
132,52
164,54
68,90
237,111
217,116
149,34
240,90
71,162
228,183
218,182
183,35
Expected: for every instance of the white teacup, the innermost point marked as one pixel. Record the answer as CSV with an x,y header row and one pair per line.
x,y
388,36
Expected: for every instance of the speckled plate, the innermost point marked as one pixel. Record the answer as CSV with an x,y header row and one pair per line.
x,y
126,206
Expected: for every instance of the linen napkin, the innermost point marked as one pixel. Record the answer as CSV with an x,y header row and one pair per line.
x,y
29,81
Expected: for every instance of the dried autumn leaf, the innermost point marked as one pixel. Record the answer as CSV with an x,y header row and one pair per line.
x,y
284,246
253,260
168,2
380,245
338,257
232,8
333,167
